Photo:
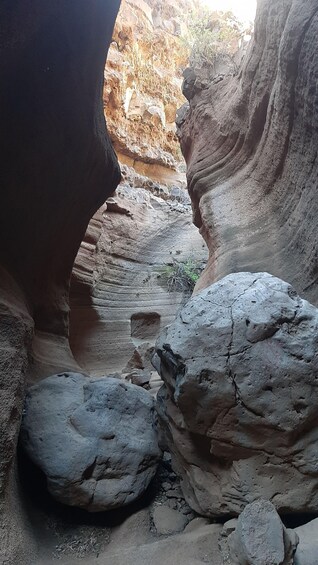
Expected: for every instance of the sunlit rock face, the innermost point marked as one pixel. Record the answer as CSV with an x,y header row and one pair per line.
x,y
143,85
239,404
57,167
130,241
250,142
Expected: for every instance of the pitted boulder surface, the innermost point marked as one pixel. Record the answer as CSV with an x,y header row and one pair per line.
x,y
260,537
95,440
239,405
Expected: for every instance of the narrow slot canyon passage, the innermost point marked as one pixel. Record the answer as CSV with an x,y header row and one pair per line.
x,y
158,282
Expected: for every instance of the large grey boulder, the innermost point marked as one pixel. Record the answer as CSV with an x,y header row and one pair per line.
x,y
95,440
239,406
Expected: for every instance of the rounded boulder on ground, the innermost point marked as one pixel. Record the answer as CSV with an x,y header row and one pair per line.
x,y
95,440
240,401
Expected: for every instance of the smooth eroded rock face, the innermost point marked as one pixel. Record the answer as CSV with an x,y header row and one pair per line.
x,y
250,142
119,296
239,405
95,440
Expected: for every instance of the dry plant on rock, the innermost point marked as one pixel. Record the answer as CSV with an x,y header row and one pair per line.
x,y
213,36
182,276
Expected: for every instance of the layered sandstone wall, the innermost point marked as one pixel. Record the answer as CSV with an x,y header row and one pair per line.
x,y
120,299
250,142
130,242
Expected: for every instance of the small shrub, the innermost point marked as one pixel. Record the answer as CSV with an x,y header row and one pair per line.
x,y
182,276
211,36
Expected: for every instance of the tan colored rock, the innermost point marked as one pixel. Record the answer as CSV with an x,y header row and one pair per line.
x,y
143,81
250,144
170,112
119,297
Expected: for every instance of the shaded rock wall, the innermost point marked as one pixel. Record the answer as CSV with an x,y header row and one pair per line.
x,y
16,331
57,167
250,142
119,297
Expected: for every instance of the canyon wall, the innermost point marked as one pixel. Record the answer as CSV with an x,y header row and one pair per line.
x,y
57,167
120,295
250,143
143,86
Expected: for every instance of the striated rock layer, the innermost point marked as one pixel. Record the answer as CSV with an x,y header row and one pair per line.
x,y
119,295
250,142
57,167
239,405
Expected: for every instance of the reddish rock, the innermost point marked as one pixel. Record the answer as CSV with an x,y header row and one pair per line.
x,y
143,85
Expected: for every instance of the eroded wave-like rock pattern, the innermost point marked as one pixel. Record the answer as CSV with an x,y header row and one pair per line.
x,y
250,142
119,295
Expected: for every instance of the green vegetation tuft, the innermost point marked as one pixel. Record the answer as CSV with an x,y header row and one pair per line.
x,y
182,276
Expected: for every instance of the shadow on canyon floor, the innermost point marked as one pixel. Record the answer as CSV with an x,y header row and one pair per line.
x,y
67,531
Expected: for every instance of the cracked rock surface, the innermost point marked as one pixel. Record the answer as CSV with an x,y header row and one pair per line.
x,y
95,440
238,409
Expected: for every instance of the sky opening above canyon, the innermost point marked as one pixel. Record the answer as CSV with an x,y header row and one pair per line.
x,y
244,10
